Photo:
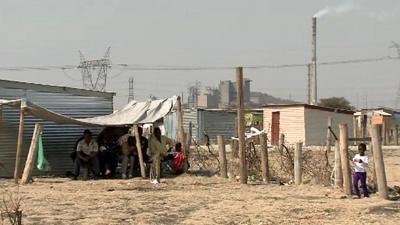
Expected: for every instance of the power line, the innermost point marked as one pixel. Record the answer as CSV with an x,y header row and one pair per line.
x,y
201,68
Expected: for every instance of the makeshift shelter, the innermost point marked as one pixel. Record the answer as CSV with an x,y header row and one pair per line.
x,y
133,113
303,123
59,140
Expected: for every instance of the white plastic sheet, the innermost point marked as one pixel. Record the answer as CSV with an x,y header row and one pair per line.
x,y
133,113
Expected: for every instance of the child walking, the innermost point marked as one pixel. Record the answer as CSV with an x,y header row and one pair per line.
x,y
360,163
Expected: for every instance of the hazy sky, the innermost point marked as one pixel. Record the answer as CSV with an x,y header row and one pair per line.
x,y
207,33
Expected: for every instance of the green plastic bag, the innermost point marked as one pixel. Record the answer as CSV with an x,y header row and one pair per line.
x,y
42,163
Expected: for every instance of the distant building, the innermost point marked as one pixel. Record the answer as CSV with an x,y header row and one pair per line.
x,y
228,92
303,123
207,101
388,118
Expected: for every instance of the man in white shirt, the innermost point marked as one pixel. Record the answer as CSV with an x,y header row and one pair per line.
x,y
86,153
360,163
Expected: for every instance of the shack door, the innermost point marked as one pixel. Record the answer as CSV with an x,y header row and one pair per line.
x,y
275,128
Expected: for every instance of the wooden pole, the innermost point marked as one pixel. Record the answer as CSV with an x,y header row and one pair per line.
x,y
264,158
241,125
181,130
372,163
338,167
19,141
298,163
235,143
379,163
383,129
139,149
328,135
344,157
30,160
281,142
396,135
222,156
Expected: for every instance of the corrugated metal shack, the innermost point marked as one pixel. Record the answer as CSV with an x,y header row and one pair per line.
x,y
212,122
58,139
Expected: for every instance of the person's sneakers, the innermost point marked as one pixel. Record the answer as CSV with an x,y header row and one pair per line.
x,y
155,181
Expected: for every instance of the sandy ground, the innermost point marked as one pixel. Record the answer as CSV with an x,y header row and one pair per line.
x,y
194,200
191,199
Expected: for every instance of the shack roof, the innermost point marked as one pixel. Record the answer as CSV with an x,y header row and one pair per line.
x,y
335,110
52,88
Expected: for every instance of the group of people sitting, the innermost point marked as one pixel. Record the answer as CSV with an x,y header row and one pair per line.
x,y
103,156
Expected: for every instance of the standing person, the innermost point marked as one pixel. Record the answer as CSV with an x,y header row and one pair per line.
x,y
86,153
360,163
158,145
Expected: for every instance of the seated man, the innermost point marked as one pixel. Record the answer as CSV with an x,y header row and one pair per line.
x,y
130,153
86,153
128,147
179,160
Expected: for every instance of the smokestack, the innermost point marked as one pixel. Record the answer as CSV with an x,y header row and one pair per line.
x,y
313,69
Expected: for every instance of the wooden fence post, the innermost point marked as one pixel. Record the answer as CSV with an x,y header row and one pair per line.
x,y
379,163
372,164
139,149
264,158
328,135
298,164
281,142
19,141
30,160
338,167
222,156
344,156
396,135
241,125
181,130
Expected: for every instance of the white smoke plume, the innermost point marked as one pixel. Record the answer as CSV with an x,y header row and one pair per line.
x,y
345,7
385,15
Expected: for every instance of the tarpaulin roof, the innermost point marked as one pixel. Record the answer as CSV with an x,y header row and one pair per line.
x,y
133,113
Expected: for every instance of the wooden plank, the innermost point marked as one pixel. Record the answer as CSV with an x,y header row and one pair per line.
x,y
379,163
298,163
241,125
222,156
365,139
139,149
264,158
181,130
19,141
32,155
344,157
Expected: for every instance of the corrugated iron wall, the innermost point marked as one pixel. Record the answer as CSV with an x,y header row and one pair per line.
x,y
215,123
208,122
171,123
58,139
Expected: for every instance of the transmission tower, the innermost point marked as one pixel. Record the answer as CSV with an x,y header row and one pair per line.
x,y
131,91
94,72
396,46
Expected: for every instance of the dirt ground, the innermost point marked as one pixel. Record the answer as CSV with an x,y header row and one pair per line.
x,y
191,199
